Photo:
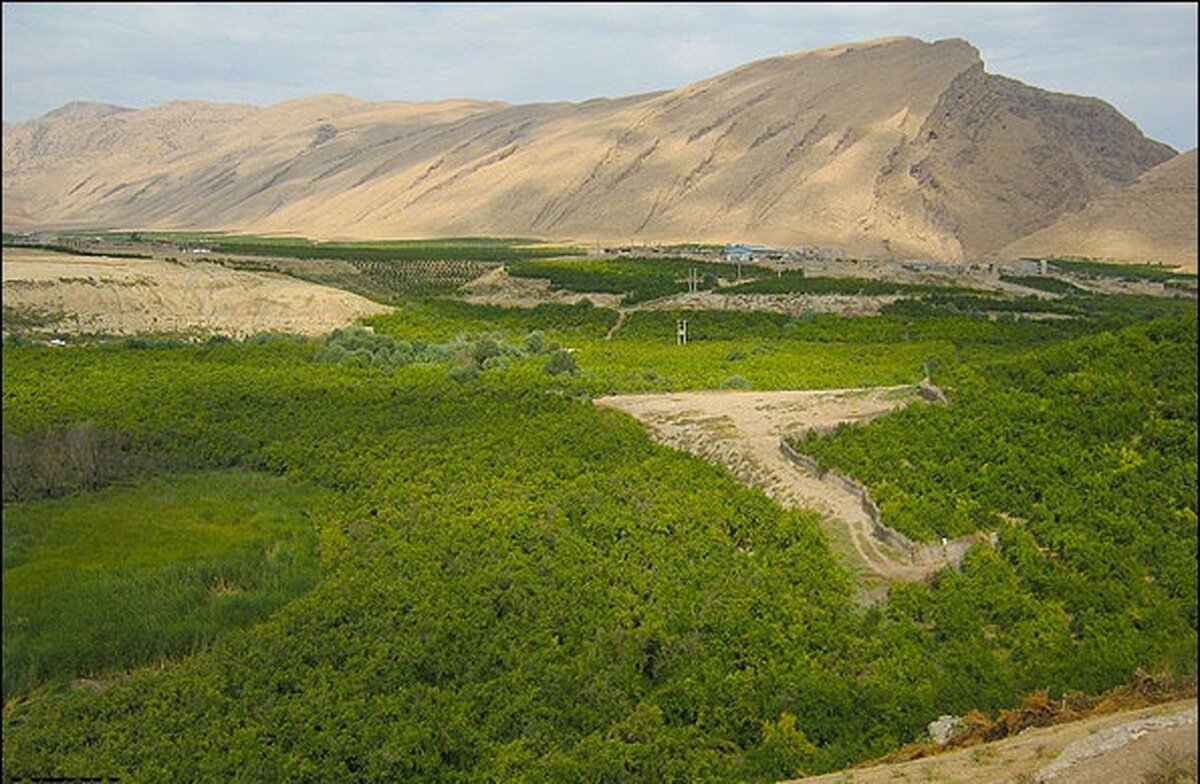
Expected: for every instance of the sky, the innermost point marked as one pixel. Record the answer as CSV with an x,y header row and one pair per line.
x,y
1139,58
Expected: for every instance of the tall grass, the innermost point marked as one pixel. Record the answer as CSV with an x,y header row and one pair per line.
x,y
114,579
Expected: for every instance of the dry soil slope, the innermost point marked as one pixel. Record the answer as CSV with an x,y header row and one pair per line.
x,y
99,295
894,147
1118,748
189,163
1154,219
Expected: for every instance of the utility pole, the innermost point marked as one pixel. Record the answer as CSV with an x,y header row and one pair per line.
x,y
681,332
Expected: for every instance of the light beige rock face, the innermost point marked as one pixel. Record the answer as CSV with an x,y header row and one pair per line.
x,y
1152,220
890,148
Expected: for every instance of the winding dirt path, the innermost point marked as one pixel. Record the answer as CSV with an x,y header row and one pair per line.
x,y
742,431
621,314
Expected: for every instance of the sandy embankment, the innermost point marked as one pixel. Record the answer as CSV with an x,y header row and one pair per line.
x,y
101,295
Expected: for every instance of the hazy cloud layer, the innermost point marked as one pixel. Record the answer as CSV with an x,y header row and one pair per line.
x,y
1140,58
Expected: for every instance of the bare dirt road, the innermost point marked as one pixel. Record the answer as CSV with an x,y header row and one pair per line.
x,y
742,431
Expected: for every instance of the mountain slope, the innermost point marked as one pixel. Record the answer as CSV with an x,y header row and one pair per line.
x,y
893,147
1154,219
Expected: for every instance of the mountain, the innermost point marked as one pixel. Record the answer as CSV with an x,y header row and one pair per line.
x,y
1153,219
894,147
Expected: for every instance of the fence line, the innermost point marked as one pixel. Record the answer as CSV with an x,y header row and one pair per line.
x,y
948,550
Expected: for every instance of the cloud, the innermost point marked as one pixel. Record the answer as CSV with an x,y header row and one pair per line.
x,y
1141,58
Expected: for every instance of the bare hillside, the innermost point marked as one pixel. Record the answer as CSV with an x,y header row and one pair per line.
x,y
1154,219
893,148
52,293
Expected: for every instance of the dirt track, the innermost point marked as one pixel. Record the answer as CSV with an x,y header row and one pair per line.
x,y
742,431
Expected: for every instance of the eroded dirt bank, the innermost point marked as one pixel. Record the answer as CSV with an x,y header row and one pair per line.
x,y
54,292
742,431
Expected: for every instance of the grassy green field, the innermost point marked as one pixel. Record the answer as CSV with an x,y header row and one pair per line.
x,y
106,581
516,585
452,248
797,282
770,351
1100,269
1053,285
638,279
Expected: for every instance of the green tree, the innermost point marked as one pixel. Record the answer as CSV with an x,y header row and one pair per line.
x,y
561,361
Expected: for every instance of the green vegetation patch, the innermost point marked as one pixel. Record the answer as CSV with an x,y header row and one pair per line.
x,y
962,328
520,585
1100,269
610,367
796,282
125,576
1069,433
1083,456
1052,285
388,280
358,347
1102,311
639,279
488,249
443,319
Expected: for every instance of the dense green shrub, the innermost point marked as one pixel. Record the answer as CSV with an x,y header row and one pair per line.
x,y
796,282
560,362
1053,285
639,279
463,372
1083,456
520,585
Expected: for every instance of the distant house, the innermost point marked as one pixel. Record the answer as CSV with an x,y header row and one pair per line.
x,y
736,253
746,253
925,265
803,253
1032,266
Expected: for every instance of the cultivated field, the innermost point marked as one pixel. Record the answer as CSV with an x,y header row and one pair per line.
x,y
432,544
